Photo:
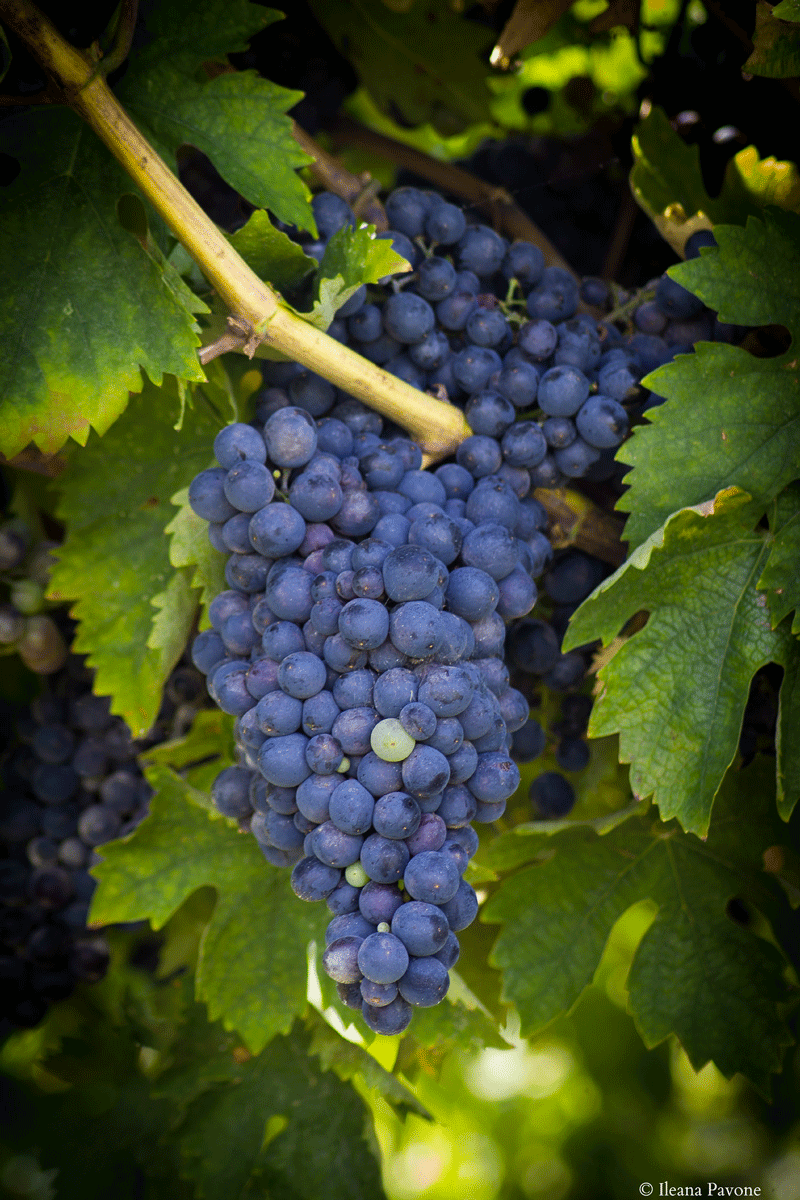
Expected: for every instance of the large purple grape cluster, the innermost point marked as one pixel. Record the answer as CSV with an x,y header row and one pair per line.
x,y
360,647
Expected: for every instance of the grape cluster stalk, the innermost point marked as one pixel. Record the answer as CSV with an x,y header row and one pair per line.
x,y
361,642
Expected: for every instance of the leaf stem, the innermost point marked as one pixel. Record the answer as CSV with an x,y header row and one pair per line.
x,y
123,37
437,427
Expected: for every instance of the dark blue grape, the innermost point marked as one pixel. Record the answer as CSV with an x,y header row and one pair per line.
x,y
384,860
453,312
408,317
523,262
249,486
519,383
551,795
555,297
675,301
445,224
333,847
425,982
481,250
407,209
421,927
396,815
351,807
237,442
314,880
378,776
436,279
602,422
340,960
476,367
538,339
291,438
207,495
331,214
390,1019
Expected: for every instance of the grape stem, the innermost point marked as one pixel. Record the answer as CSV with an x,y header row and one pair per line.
x,y
437,427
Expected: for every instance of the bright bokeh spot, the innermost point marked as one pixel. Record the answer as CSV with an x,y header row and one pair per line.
x,y
500,1074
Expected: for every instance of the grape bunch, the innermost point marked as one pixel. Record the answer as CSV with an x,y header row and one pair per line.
x,y
360,644
360,647
34,634
71,785
486,325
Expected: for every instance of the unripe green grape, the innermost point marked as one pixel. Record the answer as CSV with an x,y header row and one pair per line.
x,y
42,648
390,741
355,875
27,596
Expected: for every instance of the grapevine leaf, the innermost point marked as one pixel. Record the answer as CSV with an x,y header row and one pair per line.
x,y
271,253
86,308
101,1128
134,611
776,46
746,431
753,278
399,57
211,734
780,579
350,1060
451,1025
696,972
667,182
787,10
189,547
164,91
676,690
252,969
352,257
287,1122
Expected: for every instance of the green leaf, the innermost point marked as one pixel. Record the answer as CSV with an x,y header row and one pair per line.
x,y
189,547
165,92
211,735
451,1025
754,273
787,10
667,182
134,610
352,257
776,46
780,578
252,970
420,65
98,1123
350,1061
271,253
287,1122
85,307
676,690
696,972
745,431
